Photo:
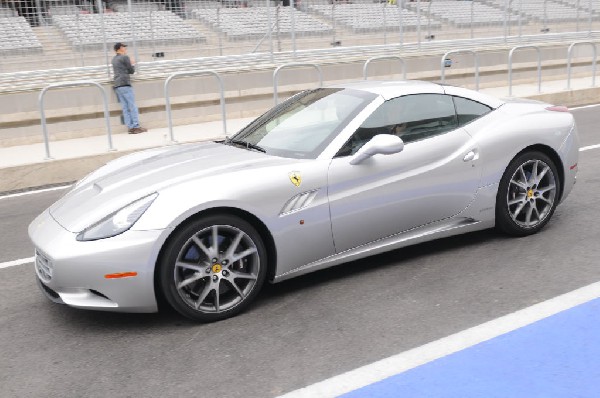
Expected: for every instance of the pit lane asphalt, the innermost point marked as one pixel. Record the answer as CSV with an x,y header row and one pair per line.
x,y
301,331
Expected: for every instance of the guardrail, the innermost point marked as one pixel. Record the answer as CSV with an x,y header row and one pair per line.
x,y
190,74
81,83
384,57
475,56
569,57
539,66
292,65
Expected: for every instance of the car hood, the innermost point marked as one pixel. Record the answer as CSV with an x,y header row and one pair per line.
x,y
132,177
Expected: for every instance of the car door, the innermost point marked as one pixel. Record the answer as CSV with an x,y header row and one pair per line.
x,y
435,177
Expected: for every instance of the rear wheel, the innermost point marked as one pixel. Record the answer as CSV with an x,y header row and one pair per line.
x,y
213,268
528,194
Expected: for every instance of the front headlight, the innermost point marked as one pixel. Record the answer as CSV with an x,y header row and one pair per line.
x,y
118,222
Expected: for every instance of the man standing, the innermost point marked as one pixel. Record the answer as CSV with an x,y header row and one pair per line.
x,y
122,68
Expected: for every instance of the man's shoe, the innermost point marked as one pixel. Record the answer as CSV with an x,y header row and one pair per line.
x,y
135,130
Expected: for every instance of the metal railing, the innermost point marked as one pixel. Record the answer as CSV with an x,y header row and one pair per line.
x,y
539,66
81,83
190,74
569,58
293,65
384,57
475,56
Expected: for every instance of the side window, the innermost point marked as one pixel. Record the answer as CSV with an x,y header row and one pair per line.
x,y
468,110
412,118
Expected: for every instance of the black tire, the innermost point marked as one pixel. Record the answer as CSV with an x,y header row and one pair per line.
x,y
229,278
525,204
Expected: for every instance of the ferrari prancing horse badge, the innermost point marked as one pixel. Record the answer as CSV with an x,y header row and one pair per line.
x,y
295,178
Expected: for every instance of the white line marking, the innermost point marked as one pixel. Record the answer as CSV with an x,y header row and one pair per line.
x,y
583,107
402,362
15,195
587,148
17,262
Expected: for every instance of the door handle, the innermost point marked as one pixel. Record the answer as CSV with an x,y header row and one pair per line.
x,y
472,155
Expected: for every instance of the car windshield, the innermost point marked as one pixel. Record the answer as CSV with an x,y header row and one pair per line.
x,y
305,124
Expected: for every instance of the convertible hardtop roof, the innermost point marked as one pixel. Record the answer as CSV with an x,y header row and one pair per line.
x,y
389,89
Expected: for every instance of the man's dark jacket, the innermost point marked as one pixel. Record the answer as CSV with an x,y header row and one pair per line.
x,y
122,68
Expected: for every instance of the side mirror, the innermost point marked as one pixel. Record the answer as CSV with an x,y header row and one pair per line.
x,y
384,144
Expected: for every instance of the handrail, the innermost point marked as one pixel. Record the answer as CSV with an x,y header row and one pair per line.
x,y
290,65
188,74
475,56
539,66
79,83
365,66
569,55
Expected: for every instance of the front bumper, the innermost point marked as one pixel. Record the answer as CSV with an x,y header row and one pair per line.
x,y
74,272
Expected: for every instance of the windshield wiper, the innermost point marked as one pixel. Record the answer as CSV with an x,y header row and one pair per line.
x,y
245,144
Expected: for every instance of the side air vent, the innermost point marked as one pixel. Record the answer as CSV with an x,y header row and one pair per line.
x,y
299,202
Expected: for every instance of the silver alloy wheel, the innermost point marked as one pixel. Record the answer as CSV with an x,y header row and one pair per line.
x,y
531,193
216,269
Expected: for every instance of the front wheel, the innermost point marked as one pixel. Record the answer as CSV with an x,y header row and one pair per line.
x,y
528,194
213,268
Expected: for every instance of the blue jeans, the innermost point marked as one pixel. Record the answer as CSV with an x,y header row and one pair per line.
x,y
130,110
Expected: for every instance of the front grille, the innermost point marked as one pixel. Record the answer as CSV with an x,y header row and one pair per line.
x,y
43,266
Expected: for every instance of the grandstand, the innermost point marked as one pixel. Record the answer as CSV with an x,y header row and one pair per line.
x,y
362,18
17,35
150,27
73,32
251,23
541,10
584,5
463,13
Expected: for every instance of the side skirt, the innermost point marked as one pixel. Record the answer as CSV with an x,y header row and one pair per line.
x,y
442,229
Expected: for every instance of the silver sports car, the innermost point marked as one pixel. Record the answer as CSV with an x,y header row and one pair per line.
x,y
329,176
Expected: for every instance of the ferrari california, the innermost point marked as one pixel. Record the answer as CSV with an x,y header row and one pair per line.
x,y
329,176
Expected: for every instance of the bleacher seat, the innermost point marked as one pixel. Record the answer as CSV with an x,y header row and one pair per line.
x,y
252,22
17,36
369,17
541,10
150,27
464,13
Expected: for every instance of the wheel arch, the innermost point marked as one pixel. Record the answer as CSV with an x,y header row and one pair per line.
x,y
261,228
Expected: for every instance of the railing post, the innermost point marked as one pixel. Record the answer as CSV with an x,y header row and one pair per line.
x,y
290,65
365,66
569,58
72,84
539,66
476,58
191,74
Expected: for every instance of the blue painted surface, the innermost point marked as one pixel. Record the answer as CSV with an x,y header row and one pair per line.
x,y
556,357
